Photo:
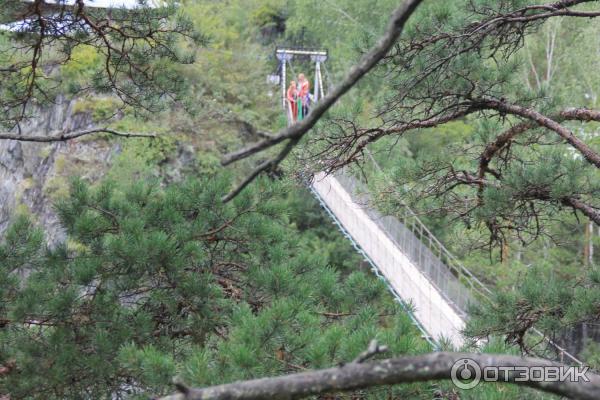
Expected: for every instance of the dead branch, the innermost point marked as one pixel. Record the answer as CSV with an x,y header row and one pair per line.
x,y
352,376
71,135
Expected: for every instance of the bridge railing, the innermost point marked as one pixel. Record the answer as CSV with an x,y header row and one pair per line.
x,y
414,239
453,280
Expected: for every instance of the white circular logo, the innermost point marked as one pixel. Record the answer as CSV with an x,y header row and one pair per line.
x,y
465,373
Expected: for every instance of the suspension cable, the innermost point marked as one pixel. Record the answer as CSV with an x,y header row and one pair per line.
x,y
292,68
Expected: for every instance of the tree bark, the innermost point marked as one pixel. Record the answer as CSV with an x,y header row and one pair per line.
x,y
590,155
434,366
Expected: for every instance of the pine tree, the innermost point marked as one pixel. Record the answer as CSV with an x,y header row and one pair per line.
x,y
153,283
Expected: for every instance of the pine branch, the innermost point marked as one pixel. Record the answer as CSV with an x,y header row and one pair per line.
x,y
589,211
126,40
505,138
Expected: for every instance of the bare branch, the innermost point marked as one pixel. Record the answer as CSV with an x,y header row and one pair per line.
x,y
268,165
346,149
591,212
70,135
590,155
579,114
352,376
373,349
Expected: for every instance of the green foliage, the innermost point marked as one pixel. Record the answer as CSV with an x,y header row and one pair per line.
x,y
591,353
153,151
101,108
84,65
152,283
144,288
550,300
269,15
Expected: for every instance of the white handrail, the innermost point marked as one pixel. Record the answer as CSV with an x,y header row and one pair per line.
x,y
473,281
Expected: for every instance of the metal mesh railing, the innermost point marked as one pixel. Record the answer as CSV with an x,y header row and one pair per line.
x,y
409,234
456,284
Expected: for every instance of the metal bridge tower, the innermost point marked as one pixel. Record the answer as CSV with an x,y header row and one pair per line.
x,y
285,55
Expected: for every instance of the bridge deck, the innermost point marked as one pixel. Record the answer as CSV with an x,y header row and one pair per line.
x,y
435,311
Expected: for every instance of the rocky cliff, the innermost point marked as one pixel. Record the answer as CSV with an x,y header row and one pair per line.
x,y
33,174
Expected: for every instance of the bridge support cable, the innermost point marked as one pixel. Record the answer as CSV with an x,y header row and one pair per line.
x,y
317,85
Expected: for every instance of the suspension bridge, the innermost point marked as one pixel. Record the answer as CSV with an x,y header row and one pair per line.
x,y
420,272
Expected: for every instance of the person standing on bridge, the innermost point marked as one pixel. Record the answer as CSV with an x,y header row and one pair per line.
x,y
303,95
292,98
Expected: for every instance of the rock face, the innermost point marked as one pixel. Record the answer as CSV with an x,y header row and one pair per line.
x,y
32,174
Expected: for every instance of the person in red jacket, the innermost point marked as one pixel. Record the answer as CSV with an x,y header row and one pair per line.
x,y
303,94
292,98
